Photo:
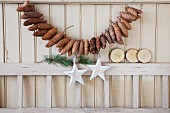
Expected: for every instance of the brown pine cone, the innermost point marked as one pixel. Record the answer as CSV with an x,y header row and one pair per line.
x,y
93,45
86,47
40,33
103,41
98,43
123,29
29,8
27,15
81,49
128,16
50,34
112,32
45,26
108,37
63,42
34,21
131,11
117,31
125,22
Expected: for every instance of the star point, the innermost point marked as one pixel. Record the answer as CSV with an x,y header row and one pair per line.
x,y
75,75
98,70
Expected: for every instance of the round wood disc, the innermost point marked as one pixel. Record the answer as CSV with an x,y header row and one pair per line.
x,y
117,55
131,55
144,56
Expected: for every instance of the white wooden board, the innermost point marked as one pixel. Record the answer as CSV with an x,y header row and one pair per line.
x,y
57,19
87,27
73,18
162,54
41,51
102,87
148,25
12,50
27,52
2,80
117,82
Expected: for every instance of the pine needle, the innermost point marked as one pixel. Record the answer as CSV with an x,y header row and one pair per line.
x,y
62,60
58,59
84,60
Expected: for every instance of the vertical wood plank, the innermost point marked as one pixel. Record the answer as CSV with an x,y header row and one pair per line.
x,y
148,25
117,82
165,91
41,51
12,50
27,54
87,33
73,18
135,91
57,19
20,90
102,87
48,91
133,41
163,24
2,83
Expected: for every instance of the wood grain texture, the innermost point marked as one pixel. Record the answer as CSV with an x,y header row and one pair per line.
x,y
20,90
117,82
83,110
11,51
116,68
101,86
73,18
2,79
162,41
57,19
87,33
27,52
133,41
148,25
41,51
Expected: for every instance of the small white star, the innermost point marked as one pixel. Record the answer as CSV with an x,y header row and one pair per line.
x,y
98,69
76,75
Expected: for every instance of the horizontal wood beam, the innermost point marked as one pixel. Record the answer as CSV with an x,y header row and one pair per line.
x,y
82,110
116,69
87,1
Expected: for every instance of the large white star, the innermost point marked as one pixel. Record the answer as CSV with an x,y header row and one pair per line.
x,y
98,69
76,75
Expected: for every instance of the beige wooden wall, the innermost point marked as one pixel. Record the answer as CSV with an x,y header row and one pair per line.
x,y
18,45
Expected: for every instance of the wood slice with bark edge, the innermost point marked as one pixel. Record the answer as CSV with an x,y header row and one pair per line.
x,y
117,55
131,55
144,55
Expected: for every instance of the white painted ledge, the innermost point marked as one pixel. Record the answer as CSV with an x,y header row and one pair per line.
x,y
82,110
116,69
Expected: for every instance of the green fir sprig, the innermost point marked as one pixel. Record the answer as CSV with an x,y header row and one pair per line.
x,y
84,60
64,61
58,59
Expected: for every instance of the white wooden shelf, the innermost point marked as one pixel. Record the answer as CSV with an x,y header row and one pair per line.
x,y
9,69
83,110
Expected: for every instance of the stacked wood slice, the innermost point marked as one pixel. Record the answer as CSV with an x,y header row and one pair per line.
x,y
117,55
114,33
132,55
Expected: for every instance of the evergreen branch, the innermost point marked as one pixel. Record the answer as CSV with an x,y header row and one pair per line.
x,y
84,60
58,59
62,60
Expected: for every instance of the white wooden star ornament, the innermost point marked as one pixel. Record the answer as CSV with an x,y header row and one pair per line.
x,y
98,69
75,74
